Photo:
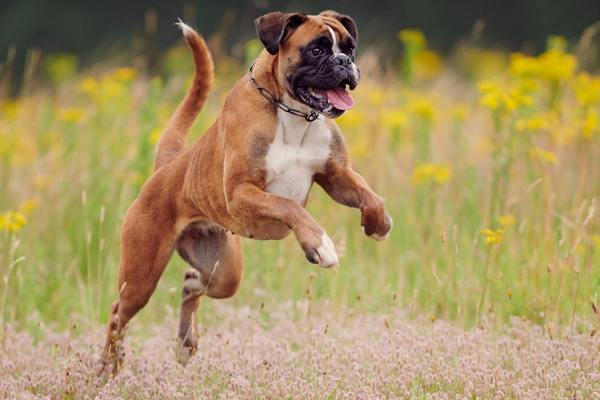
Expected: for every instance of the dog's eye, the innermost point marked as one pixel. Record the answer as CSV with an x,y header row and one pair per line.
x,y
317,51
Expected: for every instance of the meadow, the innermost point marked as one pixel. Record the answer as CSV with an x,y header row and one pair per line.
x,y
489,162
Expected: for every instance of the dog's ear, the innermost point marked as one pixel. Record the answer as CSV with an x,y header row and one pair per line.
x,y
345,20
273,28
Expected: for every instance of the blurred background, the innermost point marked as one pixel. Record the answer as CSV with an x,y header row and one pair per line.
x,y
477,121
92,30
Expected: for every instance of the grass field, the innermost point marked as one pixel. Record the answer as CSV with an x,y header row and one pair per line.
x,y
489,163
304,353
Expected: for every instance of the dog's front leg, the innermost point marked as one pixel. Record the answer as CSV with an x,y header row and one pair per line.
x,y
248,203
347,187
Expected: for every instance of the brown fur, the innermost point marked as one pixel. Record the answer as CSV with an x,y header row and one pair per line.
x,y
172,140
202,198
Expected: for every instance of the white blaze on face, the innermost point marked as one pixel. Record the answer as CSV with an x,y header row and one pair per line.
x,y
335,47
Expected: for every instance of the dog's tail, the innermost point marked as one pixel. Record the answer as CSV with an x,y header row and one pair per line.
x,y
172,140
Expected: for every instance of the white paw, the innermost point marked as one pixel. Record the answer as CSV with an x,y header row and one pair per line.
x,y
378,237
326,251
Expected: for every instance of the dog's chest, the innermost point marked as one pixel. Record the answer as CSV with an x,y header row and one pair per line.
x,y
300,150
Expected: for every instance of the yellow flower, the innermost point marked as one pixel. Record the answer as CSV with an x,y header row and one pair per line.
x,y
491,101
532,124
351,120
375,96
431,173
12,221
89,86
10,109
590,126
522,65
506,220
155,136
545,156
460,112
520,99
111,88
427,64
123,74
587,89
412,37
492,236
443,174
526,86
422,107
71,115
394,119
556,65
510,103
422,173
28,205
496,98
488,86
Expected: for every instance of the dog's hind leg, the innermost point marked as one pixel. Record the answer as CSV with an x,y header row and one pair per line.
x,y
147,243
187,335
216,258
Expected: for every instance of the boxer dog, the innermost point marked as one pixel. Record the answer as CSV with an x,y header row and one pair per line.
x,y
250,174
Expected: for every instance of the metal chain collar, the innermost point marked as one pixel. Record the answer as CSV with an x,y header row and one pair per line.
x,y
310,116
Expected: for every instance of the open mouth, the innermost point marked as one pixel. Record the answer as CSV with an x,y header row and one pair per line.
x,y
334,100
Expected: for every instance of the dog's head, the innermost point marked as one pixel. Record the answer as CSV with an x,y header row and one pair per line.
x,y
315,57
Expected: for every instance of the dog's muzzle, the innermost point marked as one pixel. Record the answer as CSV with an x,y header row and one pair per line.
x,y
345,69
323,86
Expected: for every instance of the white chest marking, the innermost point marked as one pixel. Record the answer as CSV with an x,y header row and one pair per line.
x,y
300,150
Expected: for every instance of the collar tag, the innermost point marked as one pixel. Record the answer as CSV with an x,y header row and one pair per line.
x,y
311,116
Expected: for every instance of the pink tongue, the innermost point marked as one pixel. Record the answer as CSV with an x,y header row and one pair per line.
x,y
340,99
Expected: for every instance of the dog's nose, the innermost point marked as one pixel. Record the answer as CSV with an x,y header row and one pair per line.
x,y
342,59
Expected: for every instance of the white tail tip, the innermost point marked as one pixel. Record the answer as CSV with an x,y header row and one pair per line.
x,y
185,28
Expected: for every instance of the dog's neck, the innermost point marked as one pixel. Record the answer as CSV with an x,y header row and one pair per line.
x,y
270,79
